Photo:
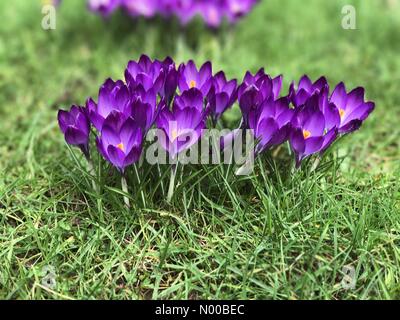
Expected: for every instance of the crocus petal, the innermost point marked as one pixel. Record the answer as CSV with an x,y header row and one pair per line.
x,y
329,138
64,120
205,72
297,141
305,83
360,113
265,132
313,145
332,117
354,99
339,96
277,86
116,157
315,124
75,137
110,136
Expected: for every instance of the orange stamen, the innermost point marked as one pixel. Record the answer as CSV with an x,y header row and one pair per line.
x,y
121,146
306,134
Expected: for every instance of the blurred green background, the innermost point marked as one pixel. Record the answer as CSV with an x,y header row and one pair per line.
x,y
42,71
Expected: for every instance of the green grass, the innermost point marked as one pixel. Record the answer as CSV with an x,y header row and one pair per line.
x,y
271,235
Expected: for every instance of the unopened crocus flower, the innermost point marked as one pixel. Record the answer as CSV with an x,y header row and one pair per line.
x,y
120,141
255,89
271,123
189,77
309,134
183,124
113,96
143,108
104,7
170,84
222,96
305,89
262,82
352,107
75,126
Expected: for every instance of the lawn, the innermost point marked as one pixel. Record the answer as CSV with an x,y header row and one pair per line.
x,y
271,235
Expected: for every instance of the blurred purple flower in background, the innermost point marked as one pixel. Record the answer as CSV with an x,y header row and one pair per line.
x,y
213,12
104,7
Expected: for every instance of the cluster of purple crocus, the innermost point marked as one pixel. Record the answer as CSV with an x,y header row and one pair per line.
x,y
213,12
310,117
186,99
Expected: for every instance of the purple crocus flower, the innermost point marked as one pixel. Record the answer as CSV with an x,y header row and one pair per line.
x,y
148,73
75,126
255,90
305,89
113,96
262,82
120,141
189,77
192,98
309,134
271,123
104,7
352,107
170,84
143,107
183,125
222,96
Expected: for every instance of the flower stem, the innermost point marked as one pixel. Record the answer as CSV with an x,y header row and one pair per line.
x,y
159,174
91,171
172,182
141,190
124,186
